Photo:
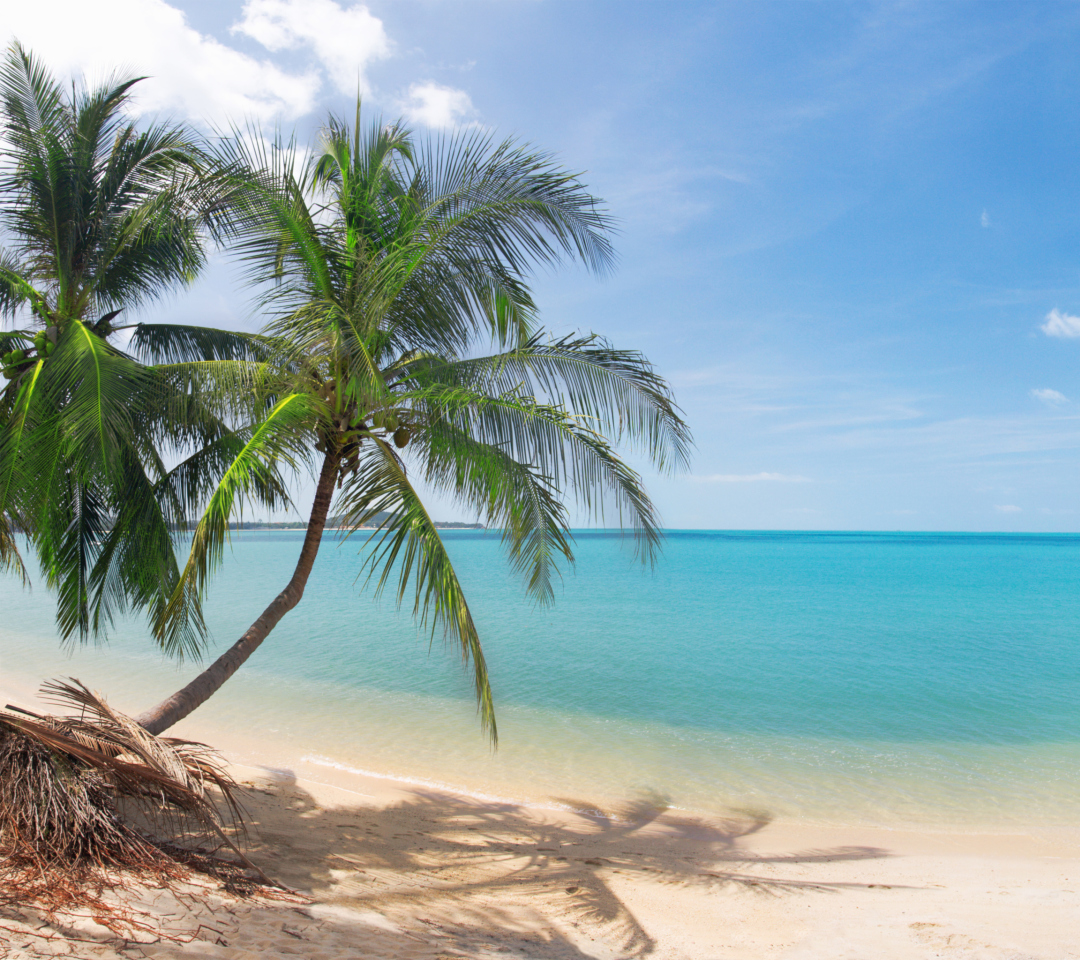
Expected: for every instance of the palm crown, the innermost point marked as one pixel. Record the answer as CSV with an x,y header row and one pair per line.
x,y
406,345
99,217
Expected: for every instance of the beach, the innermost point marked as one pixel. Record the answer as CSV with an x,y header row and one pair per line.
x,y
874,758
544,481
387,870
381,868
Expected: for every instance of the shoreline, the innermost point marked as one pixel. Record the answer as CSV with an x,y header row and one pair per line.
x,y
394,869
322,772
312,761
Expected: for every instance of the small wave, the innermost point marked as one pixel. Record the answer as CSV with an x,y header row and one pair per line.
x,y
454,788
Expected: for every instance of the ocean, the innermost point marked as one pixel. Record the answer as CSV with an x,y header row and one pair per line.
x,y
894,679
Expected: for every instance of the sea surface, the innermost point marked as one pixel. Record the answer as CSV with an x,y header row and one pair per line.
x,y
872,678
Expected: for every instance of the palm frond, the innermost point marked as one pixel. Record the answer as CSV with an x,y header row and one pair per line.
x,y
565,449
180,343
73,555
408,547
137,568
10,558
63,780
251,475
25,416
95,384
511,495
618,391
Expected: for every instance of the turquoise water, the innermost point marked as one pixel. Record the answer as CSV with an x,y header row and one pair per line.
x,y
851,677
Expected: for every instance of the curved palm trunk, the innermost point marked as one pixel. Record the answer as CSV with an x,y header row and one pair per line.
x,y
207,683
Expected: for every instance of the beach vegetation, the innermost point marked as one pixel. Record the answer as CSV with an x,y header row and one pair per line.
x,y
402,352
100,219
408,355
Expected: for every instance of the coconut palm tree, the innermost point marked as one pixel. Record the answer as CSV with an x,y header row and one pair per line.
x,y
99,218
394,274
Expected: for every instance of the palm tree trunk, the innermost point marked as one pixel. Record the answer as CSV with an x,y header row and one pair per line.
x,y
207,683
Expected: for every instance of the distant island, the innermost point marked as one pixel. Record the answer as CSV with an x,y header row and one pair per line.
x,y
338,523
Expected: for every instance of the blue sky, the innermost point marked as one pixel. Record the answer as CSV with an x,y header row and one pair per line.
x,y
844,227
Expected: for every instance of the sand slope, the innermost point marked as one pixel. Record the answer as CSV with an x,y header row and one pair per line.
x,y
394,872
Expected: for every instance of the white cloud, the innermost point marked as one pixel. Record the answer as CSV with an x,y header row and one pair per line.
x,y
750,478
344,39
437,106
1052,397
1060,324
984,220
189,73
1008,508
193,74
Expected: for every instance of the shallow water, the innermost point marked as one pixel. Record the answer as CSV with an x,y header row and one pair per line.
x,y
844,677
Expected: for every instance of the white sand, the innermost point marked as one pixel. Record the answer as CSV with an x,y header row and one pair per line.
x,y
388,870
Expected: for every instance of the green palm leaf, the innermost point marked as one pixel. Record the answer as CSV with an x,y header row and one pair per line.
x,y
99,216
386,266
409,547
252,475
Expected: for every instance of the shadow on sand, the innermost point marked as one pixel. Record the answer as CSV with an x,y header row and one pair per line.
x,y
481,876
441,877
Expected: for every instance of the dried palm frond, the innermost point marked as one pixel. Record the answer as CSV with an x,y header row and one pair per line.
x,y
92,792
195,766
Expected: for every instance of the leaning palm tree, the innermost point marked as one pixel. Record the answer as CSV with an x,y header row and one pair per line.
x,y
407,347
99,218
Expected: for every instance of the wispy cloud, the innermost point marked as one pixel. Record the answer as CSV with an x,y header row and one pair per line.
x,y
1008,508
984,220
1052,397
672,194
750,478
1060,324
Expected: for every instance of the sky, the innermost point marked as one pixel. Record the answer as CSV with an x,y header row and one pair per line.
x,y
849,233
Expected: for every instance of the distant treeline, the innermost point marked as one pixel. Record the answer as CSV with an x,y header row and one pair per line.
x,y
331,523
335,522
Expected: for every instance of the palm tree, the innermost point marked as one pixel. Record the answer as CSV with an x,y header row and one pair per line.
x,y
101,218
388,267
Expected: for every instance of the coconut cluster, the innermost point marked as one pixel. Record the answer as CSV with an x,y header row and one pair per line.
x,y
12,362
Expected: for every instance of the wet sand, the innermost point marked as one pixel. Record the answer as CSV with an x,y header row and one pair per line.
x,y
385,869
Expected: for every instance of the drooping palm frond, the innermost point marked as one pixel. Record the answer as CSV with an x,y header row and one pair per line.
x,y
10,557
511,495
251,476
136,567
162,343
408,547
618,391
566,450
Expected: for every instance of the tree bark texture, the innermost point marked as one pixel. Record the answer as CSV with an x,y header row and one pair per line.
x,y
206,684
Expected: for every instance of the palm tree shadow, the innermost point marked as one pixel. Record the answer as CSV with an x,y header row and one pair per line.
x,y
473,875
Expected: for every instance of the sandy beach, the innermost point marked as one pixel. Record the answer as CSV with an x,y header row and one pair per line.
x,y
583,480
385,869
